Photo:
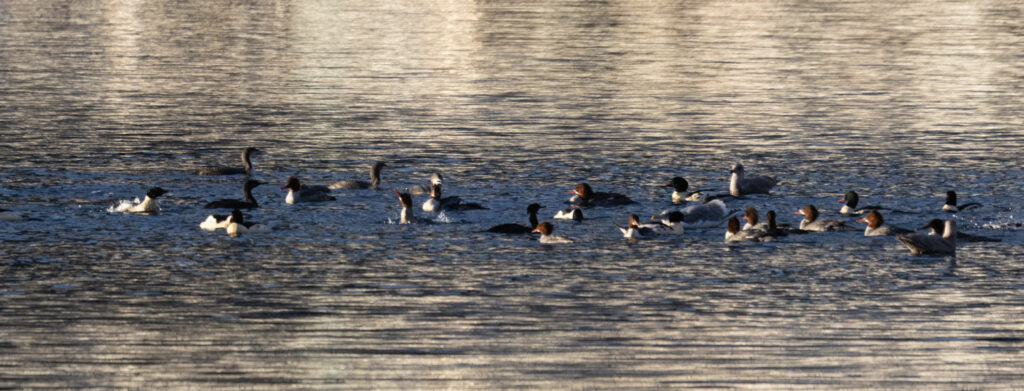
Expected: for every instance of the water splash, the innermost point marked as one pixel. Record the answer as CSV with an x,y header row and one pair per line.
x,y
123,205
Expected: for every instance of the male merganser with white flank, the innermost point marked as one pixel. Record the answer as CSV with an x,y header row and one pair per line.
x,y
811,222
679,187
358,184
214,222
148,205
851,200
633,230
436,204
222,170
750,215
248,203
711,214
938,227
671,223
951,206
733,233
237,225
573,213
435,179
586,196
298,193
10,215
512,228
680,195
740,185
876,227
545,229
920,244
406,216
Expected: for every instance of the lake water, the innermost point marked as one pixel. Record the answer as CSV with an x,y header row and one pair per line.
x,y
514,102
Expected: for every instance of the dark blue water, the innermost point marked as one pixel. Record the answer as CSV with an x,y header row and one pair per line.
x,y
514,103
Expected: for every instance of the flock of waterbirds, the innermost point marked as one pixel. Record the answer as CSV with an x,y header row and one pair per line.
x,y
702,210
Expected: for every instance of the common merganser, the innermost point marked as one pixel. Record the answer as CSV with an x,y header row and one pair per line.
x,y
215,222
573,213
679,187
148,205
750,215
633,230
299,193
359,184
876,227
680,195
545,229
938,226
406,217
222,170
10,215
586,196
248,203
920,244
851,200
671,223
740,185
711,214
811,222
733,233
436,203
951,206
512,228
435,179
237,225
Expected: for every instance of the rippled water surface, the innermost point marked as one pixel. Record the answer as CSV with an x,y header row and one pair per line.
x,y
514,102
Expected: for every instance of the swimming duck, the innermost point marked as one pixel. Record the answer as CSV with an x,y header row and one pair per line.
x,y
850,200
436,203
733,233
811,222
633,230
586,196
572,213
921,244
750,215
406,216
222,170
876,227
248,203
512,228
215,222
148,205
671,222
358,184
299,193
545,229
938,227
951,206
237,225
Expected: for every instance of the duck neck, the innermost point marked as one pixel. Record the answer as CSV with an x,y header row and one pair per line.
x,y
533,220
734,184
246,162
248,196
